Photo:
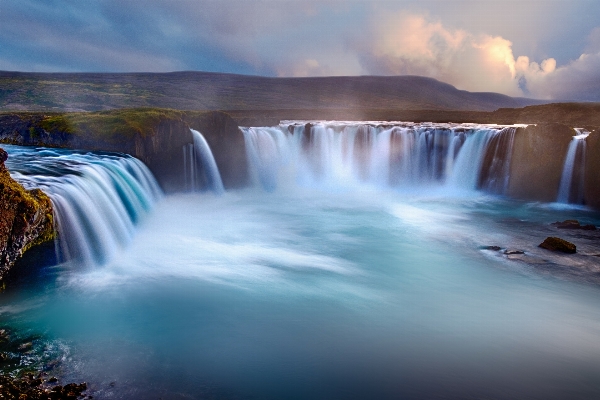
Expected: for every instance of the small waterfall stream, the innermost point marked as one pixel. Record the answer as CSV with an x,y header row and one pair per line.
x,y
571,181
199,166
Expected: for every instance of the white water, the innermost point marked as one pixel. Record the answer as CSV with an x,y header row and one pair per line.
x,y
338,282
402,155
200,165
97,199
572,178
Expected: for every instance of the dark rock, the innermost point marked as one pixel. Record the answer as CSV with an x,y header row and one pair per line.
x,y
26,220
573,224
558,244
537,161
509,252
492,248
3,156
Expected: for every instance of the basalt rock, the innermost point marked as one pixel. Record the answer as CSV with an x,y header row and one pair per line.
x,y
26,218
592,166
573,224
155,136
558,244
538,157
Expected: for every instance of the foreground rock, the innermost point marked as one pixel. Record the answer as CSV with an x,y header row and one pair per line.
x,y
24,376
558,244
25,218
32,387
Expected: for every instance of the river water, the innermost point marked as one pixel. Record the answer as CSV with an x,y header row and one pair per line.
x,y
310,291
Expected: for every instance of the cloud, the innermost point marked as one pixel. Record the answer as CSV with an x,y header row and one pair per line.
x,y
446,40
412,44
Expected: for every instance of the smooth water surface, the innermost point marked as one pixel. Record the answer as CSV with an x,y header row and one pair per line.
x,y
316,293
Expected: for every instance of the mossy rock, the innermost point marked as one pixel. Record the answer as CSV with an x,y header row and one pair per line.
x,y
26,219
557,244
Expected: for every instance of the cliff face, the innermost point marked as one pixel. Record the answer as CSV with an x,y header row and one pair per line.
x,y
25,218
592,169
154,136
539,153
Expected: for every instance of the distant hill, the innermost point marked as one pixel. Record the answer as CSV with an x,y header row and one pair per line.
x,y
21,91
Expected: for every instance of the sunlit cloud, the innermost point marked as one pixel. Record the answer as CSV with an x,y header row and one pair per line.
x,y
457,42
412,44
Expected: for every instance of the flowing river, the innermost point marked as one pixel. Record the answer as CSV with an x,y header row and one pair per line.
x,y
300,289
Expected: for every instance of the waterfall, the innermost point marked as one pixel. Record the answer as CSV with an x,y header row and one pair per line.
x,y
495,170
97,198
199,165
398,155
571,181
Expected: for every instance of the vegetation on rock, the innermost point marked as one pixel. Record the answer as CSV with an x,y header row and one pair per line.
x,y
26,218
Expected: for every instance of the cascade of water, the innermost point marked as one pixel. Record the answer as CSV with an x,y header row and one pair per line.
x,y
97,199
495,170
393,155
199,164
571,181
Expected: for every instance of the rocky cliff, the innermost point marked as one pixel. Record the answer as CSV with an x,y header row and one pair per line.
x,y
25,218
592,169
538,156
155,136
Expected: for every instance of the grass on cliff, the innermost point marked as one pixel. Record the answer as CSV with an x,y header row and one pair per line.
x,y
121,124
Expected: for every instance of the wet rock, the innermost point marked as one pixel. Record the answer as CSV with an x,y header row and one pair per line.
x,y
573,224
29,387
558,244
509,252
26,219
492,248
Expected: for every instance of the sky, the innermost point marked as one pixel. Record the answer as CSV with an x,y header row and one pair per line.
x,y
546,49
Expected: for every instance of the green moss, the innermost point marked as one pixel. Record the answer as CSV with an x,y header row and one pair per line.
x,y
121,124
19,209
60,123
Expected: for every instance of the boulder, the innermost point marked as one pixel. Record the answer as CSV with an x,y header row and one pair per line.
x,y
558,244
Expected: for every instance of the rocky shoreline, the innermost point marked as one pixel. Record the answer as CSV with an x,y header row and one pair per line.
x,y
22,379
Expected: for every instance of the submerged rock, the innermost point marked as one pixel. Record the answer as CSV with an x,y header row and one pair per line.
x,y
558,244
26,218
492,248
573,224
509,252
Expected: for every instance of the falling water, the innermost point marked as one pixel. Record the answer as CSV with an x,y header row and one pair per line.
x,y
199,165
571,181
97,198
397,155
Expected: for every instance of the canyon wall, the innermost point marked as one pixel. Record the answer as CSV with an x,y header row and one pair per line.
x,y
592,169
154,136
537,160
